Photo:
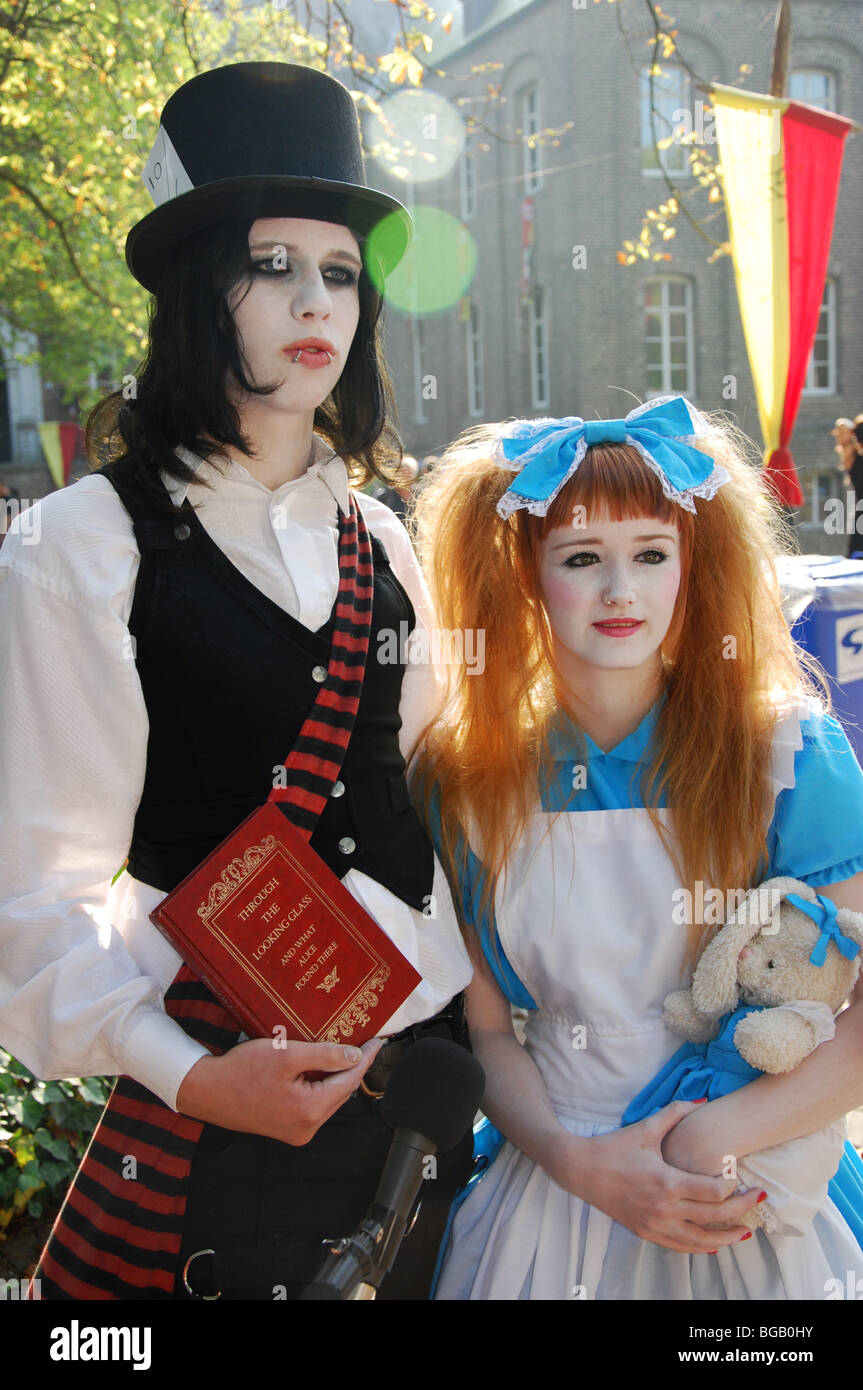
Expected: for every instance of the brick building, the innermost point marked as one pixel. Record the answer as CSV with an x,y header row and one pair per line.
x,y
555,330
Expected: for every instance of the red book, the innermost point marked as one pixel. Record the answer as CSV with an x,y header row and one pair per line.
x,y
276,938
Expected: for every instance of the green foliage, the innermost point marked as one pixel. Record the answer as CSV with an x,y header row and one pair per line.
x,y
44,1129
81,88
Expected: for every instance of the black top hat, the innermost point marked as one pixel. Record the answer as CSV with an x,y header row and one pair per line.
x,y
260,140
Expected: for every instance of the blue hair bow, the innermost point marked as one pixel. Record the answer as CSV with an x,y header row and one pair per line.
x,y
547,453
823,914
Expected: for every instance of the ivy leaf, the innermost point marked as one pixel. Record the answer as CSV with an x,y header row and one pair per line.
x,y
88,1090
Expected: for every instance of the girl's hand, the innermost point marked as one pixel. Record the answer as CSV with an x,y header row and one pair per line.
x,y
628,1179
256,1088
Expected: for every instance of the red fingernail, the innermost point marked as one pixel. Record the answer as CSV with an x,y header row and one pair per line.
x,y
711,1252
702,1100
762,1196
748,1236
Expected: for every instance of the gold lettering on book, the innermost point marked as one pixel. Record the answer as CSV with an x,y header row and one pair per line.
x,y
283,925
256,901
301,940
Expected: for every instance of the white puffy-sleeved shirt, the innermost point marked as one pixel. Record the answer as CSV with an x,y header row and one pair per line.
x,y
83,971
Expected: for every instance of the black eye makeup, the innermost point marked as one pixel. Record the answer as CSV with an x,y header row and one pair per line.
x,y
336,274
581,559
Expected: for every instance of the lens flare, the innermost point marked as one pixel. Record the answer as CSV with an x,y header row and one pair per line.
x,y
438,267
417,136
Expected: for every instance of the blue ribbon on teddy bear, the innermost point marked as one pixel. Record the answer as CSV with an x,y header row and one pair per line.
x,y
824,915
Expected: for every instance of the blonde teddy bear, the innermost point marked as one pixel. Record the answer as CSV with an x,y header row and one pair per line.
x,y
764,994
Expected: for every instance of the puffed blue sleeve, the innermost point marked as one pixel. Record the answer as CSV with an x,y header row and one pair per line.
x,y
469,889
817,829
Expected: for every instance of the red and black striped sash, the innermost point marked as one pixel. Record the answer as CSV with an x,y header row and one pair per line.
x,y
119,1232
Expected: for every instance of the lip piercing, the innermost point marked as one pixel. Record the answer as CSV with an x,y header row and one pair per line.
x,y
302,350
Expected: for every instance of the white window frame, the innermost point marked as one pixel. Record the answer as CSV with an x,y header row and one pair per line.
x,y
664,311
828,308
530,124
682,99
475,373
467,173
807,74
835,488
540,383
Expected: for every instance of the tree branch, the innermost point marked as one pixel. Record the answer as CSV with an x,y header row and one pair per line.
x,y
58,222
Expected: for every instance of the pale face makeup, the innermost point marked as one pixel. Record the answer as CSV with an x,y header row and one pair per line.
x,y
609,588
304,290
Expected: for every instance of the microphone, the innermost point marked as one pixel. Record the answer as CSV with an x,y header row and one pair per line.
x,y
430,1101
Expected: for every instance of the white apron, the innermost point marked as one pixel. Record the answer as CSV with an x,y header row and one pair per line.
x,y
585,919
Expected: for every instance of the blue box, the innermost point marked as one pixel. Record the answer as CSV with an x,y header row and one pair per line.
x,y
830,628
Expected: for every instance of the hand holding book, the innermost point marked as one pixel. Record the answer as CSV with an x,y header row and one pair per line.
x,y
256,1088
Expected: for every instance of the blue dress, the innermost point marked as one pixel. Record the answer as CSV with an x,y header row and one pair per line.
x,y
697,1071
580,936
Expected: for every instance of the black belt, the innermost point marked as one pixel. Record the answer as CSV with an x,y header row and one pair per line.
x,y
451,1022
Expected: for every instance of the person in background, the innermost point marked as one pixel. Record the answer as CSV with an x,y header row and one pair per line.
x,y
855,481
843,433
398,497
849,451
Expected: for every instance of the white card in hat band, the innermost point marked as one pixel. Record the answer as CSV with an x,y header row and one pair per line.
x,y
164,176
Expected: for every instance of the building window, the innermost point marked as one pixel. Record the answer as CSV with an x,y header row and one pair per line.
x,y
539,387
418,345
668,336
468,177
825,486
528,123
671,100
821,371
475,380
815,86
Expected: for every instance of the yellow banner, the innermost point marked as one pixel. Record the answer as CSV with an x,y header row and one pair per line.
x,y
49,433
749,132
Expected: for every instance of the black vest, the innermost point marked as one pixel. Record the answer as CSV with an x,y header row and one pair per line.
x,y
227,677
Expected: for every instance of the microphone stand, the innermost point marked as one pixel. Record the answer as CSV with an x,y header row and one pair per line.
x,y
364,1291
356,1264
